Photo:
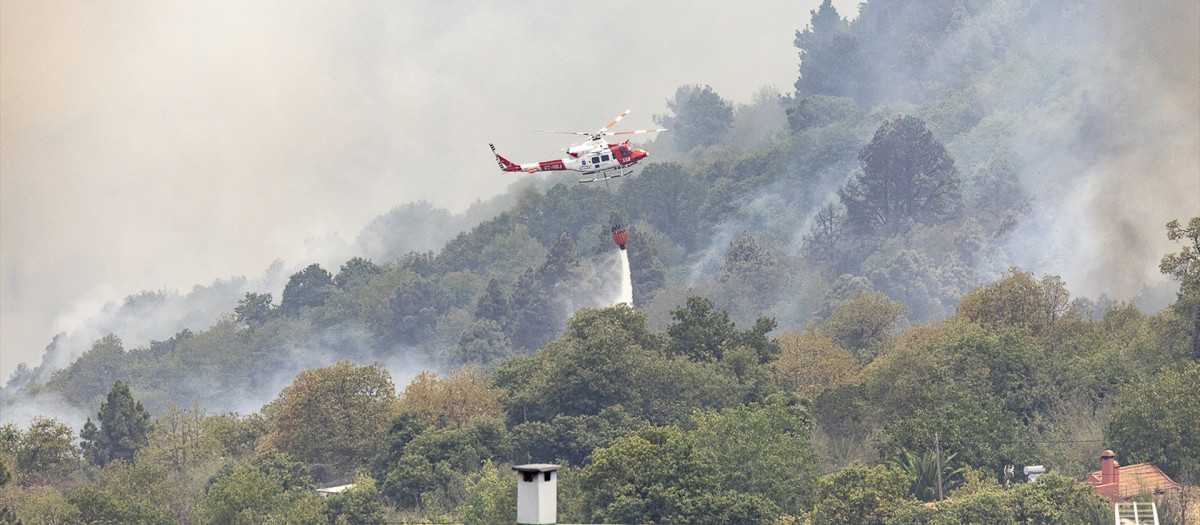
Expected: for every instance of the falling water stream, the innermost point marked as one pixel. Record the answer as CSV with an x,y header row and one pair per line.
x,y
626,280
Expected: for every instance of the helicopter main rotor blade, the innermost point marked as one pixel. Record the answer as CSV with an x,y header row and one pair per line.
x,y
586,133
638,132
602,132
614,122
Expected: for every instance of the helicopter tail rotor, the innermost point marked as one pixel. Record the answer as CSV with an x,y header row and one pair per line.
x,y
504,163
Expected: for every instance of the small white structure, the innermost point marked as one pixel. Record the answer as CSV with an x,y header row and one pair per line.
x,y
1033,471
537,494
333,491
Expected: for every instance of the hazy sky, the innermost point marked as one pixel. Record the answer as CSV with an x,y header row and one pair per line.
x,y
160,145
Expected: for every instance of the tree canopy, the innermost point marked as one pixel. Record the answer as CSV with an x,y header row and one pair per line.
x,y
699,116
333,416
907,178
823,310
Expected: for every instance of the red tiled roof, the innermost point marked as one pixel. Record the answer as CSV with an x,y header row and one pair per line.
x,y
1137,479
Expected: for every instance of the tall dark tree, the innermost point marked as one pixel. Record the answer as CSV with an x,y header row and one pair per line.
x,y
907,178
124,426
699,117
309,287
831,61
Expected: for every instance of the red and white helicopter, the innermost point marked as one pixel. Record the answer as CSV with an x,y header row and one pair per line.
x,y
594,156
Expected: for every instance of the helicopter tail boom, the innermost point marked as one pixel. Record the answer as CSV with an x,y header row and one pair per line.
x,y
533,167
504,163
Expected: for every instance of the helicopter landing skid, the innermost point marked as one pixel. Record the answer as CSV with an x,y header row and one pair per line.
x,y
607,175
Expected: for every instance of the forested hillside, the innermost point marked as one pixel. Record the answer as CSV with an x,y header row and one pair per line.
x,y
834,291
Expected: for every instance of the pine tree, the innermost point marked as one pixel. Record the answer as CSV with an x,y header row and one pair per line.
x,y
124,425
494,305
831,59
907,178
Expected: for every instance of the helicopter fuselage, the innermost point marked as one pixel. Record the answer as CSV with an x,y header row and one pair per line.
x,y
594,155
590,157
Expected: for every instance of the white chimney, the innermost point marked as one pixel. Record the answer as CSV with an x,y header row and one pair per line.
x,y
537,494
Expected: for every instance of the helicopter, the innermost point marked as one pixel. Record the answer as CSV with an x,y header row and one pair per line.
x,y
594,156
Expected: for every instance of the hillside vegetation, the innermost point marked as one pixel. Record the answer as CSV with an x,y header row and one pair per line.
x,y
828,302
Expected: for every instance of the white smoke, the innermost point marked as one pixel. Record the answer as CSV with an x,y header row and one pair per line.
x,y
151,146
